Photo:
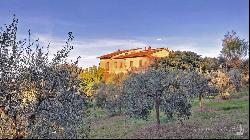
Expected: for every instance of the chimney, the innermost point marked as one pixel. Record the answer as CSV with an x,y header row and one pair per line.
x,y
149,48
119,50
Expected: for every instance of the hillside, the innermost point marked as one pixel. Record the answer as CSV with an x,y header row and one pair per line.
x,y
222,119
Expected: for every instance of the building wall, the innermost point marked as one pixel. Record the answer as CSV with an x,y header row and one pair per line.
x,y
117,69
162,53
103,63
126,62
136,61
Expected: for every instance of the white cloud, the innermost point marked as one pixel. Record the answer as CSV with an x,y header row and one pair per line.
x,y
209,47
158,39
203,51
90,49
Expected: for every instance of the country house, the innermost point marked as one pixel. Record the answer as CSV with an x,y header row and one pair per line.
x,y
123,61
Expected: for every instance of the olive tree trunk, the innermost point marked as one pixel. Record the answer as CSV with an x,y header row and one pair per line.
x,y
201,102
157,109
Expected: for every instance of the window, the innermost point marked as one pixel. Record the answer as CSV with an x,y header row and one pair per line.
x,y
121,65
131,64
115,64
140,63
107,66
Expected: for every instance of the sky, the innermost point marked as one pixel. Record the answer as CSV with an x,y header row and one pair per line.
x,y
104,26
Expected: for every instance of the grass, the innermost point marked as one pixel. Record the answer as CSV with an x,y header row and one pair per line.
x,y
238,103
224,115
222,120
97,113
116,126
240,94
230,104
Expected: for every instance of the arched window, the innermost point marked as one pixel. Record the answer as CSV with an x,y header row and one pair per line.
x,y
121,65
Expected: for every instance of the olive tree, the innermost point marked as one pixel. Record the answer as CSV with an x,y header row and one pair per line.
x,y
198,85
35,92
166,90
57,117
100,95
108,96
235,77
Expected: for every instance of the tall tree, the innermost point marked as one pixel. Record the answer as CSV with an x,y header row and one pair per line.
x,y
90,77
234,49
182,60
186,60
31,84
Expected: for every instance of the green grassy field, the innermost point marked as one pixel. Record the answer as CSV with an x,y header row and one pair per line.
x,y
221,119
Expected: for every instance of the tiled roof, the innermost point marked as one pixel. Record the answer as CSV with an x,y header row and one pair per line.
x,y
136,54
144,53
107,56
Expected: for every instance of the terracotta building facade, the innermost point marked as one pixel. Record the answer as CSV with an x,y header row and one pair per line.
x,y
123,61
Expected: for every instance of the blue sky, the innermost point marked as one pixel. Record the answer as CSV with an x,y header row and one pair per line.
x,y
102,26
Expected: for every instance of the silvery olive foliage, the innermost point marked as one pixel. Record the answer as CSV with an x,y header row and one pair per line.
x,y
108,96
199,85
137,101
113,103
235,77
37,93
100,96
59,116
170,89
